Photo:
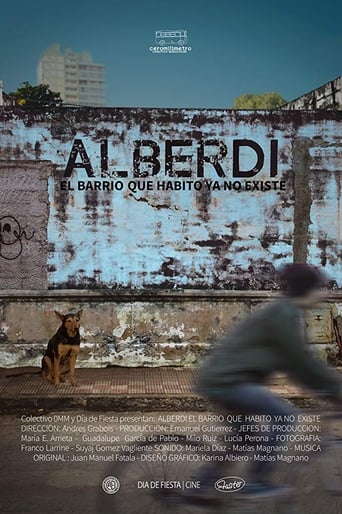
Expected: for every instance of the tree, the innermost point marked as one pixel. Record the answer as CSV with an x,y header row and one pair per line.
x,y
36,97
260,101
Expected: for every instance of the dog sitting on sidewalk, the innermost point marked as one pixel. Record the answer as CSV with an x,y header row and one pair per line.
x,y
63,349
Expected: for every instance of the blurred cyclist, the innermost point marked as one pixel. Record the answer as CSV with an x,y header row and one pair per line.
x,y
270,340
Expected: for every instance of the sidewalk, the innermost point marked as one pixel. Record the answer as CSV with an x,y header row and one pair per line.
x,y
118,389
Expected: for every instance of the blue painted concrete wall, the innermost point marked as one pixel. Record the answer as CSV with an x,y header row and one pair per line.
x,y
165,238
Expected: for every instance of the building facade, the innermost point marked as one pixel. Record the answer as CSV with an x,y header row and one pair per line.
x,y
74,75
328,96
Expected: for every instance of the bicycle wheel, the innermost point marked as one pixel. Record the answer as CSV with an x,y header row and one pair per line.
x,y
318,483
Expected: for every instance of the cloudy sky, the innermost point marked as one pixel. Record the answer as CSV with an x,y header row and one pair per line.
x,y
237,46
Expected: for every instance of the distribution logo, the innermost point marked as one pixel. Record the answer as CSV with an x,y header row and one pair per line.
x,y
229,484
170,42
110,485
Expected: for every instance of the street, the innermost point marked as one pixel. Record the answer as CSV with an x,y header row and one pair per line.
x,y
63,463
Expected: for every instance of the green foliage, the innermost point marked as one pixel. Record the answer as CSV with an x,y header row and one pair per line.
x,y
36,97
261,101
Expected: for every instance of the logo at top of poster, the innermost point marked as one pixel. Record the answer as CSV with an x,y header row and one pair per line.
x,y
229,484
170,42
110,485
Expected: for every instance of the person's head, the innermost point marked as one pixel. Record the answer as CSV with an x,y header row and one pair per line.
x,y
303,282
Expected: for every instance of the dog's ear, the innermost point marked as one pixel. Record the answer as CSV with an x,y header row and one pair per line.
x,y
79,313
59,315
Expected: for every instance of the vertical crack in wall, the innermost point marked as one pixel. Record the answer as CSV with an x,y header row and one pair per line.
x,y
303,200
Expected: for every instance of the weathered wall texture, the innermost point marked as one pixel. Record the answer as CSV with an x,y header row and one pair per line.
x,y
123,204
163,328
231,233
328,96
24,213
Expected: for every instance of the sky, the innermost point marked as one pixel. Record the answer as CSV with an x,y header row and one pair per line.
x,y
237,47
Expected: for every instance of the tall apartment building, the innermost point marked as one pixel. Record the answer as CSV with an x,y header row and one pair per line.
x,y
74,75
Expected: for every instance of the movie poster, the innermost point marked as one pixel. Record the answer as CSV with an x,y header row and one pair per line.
x,y
170,257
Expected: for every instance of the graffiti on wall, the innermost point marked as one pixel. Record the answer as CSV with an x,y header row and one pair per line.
x,y
24,213
12,237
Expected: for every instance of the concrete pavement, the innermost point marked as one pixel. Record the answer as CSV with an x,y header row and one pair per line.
x,y
117,388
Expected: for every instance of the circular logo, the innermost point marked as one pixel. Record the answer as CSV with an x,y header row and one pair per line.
x,y
110,485
229,484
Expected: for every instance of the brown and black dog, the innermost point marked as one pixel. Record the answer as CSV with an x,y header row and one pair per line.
x,y
62,350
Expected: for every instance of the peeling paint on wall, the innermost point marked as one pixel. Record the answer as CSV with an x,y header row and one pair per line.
x,y
206,201
163,331
197,236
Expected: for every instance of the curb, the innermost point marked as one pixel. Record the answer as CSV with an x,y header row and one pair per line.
x,y
121,403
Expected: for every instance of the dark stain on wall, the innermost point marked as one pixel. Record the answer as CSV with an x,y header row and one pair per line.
x,y
91,206
37,150
217,243
169,267
70,250
270,236
318,185
74,117
259,276
203,200
329,251
61,199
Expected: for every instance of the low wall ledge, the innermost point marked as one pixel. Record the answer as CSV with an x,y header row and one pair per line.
x,y
129,295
